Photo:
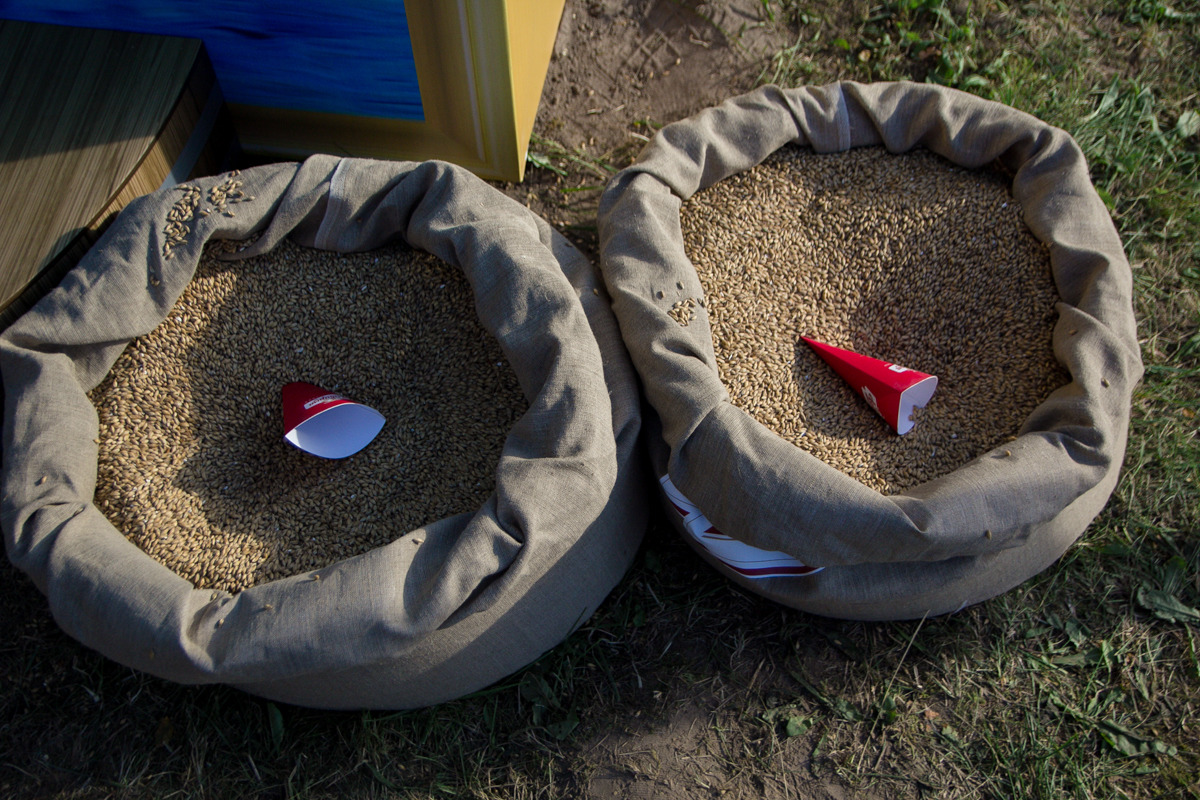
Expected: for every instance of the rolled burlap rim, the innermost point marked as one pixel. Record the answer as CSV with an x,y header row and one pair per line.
x,y
400,626
961,538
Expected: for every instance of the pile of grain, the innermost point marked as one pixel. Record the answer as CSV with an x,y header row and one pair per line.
x,y
906,258
193,467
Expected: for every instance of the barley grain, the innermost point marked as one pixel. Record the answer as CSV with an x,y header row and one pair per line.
x,y
192,464
906,258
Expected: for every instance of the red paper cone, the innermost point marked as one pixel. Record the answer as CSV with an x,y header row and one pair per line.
x,y
327,424
892,390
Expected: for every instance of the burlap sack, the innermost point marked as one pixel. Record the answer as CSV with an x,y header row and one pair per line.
x,y
397,627
926,551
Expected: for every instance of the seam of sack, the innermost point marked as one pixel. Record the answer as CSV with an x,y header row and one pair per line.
x,y
843,120
334,209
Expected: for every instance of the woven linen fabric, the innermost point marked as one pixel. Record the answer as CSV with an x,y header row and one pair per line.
x,y
964,537
399,626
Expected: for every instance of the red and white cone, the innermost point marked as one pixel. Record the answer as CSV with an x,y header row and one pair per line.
x,y
327,424
892,390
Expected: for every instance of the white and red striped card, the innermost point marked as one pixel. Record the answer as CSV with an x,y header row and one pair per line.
x,y
737,555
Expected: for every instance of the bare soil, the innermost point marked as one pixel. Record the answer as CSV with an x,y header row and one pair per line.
x,y
621,69
618,64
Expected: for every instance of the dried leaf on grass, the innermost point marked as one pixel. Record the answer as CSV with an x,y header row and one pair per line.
x,y
1188,124
1165,605
1129,743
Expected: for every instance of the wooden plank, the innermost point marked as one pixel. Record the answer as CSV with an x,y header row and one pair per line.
x,y
82,120
532,27
481,65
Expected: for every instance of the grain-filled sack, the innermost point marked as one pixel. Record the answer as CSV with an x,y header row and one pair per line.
x,y
442,610
189,463
777,519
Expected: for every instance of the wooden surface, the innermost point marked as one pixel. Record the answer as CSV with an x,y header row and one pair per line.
x,y
89,120
456,80
481,65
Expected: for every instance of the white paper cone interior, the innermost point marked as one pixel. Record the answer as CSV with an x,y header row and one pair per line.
x,y
912,398
337,432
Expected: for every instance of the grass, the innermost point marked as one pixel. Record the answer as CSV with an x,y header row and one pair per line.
x,y
1084,682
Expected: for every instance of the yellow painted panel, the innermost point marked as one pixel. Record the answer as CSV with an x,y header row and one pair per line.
x,y
481,65
532,29
492,81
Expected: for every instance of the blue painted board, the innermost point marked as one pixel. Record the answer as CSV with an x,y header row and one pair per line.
x,y
350,57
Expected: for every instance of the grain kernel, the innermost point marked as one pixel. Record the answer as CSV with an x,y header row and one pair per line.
x,y
903,257
192,465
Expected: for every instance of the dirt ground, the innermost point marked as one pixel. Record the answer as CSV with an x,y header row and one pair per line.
x,y
620,63
623,68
